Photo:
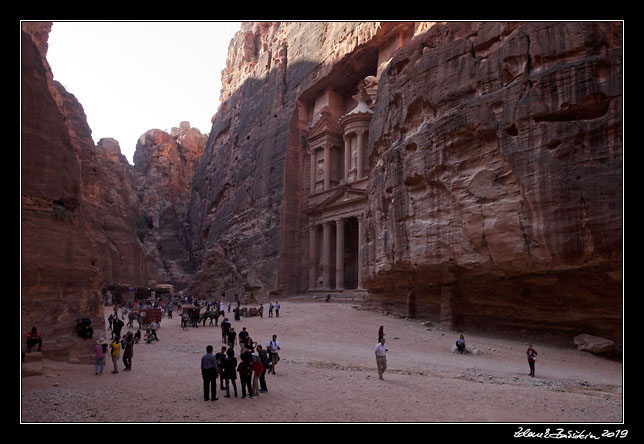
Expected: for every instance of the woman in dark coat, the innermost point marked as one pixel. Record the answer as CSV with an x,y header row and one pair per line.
x,y
230,371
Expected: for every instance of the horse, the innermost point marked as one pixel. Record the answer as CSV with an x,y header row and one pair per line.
x,y
133,316
212,314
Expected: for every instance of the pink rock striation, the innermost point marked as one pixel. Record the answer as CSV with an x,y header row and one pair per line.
x,y
82,207
163,168
495,199
494,166
468,173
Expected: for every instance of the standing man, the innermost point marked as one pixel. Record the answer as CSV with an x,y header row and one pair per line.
x,y
532,356
225,326
243,336
128,350
270,309
153,330
273,347
209,372
381,358
232,337
277,309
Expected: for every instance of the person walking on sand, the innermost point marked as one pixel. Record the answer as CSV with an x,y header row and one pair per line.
x,y
381,333
277,309
381,358
270,309
532,357
209,372
115,353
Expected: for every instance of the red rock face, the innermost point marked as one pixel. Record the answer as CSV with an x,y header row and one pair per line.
x,y
163,167
246,214
79,209
496,189
494,186
60,279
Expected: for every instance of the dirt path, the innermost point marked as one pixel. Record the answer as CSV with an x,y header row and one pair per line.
x,y
328,374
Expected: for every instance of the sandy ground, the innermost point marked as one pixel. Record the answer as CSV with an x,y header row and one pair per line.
x,y
327,373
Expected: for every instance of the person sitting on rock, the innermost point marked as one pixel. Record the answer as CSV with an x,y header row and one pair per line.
x,y
84,328
33,338
460,344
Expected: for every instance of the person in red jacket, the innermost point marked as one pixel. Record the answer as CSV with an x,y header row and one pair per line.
x,y
33,338
532,356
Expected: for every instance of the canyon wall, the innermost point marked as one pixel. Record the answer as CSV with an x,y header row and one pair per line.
x,y
491,196
164,164
81,209
246,214
494,193
495,198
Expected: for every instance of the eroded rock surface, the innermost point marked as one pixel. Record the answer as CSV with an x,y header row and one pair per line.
x,y
496,189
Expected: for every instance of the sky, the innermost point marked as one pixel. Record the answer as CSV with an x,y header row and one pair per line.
x,y
131,77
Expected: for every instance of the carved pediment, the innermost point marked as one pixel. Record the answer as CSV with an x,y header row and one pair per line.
x,y
326,127
344,195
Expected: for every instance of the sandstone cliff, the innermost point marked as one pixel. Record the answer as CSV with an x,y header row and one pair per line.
x,y
246,213
495,170
492,197
163,168
79,210
495,199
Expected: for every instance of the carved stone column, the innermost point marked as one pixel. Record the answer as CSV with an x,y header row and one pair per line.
x,y
360,159
314,171
313,257
360,250
326,255
347,157
327,166
339,254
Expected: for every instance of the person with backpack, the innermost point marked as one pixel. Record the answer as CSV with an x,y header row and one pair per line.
x,y
273,347
101,351
245,370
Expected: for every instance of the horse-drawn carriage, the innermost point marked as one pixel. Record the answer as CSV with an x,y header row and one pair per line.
x,y
150,315
145,317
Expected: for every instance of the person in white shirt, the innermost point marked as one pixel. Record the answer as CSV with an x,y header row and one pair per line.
x,y
381,358
273,346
